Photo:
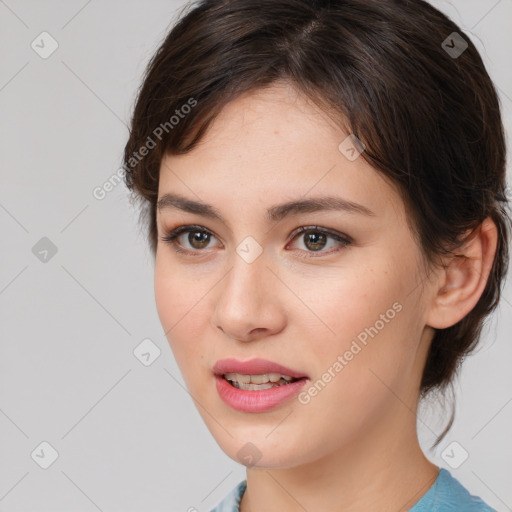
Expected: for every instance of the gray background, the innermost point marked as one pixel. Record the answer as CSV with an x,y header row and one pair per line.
x,y
128,436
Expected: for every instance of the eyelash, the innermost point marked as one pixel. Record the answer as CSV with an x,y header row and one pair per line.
x,y
171,238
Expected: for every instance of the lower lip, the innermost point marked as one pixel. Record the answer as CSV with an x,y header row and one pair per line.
x,y
257,401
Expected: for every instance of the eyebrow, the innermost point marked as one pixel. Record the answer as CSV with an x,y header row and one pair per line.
x,y
273,214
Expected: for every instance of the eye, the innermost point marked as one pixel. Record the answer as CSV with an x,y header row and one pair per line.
x,y
314,238
198,238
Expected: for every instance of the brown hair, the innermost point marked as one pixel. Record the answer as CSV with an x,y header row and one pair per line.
x,y
429,118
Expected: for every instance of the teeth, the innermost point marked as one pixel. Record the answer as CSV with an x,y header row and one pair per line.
x,y
238,377
265,378
254,387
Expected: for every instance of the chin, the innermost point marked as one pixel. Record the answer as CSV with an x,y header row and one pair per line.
x,y
257,450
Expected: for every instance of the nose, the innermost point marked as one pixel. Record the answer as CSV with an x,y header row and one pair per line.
x,y
249,305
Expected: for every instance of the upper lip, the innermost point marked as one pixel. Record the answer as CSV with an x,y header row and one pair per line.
x,y
253,367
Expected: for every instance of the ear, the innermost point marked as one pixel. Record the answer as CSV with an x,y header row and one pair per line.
x,y
464,276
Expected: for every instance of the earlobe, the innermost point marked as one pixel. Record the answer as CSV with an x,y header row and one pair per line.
x,y
464,277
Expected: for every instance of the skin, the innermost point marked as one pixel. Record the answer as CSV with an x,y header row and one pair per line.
x,y
354,446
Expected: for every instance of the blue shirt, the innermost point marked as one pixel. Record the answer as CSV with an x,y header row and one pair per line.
x,y
446,494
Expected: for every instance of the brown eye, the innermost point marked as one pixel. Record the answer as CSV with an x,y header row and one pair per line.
x,y
191,239
198,239
315,240
194,240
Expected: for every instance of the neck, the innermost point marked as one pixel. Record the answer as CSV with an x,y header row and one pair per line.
x,y
383,470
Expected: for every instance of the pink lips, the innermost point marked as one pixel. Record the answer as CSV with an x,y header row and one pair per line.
x,y
256,401
253,367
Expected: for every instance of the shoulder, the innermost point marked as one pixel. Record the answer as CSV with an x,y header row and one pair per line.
x,y
232,499
447,494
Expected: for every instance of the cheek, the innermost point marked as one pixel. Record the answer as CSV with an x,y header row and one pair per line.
x,y
179,311
370,324
176,292
346,302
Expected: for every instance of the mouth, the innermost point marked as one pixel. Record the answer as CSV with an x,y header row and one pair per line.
x,y
256,385
258,382
256,372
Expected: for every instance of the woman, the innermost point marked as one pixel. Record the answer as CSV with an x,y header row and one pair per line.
x,y
324,187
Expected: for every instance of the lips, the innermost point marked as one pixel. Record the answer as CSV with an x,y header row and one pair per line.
x,y
254,367
277,384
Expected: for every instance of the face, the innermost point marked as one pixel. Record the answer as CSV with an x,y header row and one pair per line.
x,y
336,295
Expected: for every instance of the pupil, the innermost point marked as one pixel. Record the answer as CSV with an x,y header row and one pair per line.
x,y
198,239
314,239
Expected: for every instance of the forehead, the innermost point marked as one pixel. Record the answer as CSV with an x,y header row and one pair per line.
x,y
270,146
